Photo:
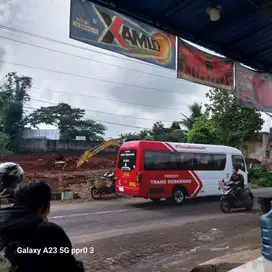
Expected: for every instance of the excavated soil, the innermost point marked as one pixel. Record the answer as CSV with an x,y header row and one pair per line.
x,y
43,167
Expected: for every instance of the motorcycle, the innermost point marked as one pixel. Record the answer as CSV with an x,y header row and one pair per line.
x,y
231,200
104,186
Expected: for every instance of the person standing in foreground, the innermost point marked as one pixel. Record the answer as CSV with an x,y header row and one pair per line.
x,y
25,226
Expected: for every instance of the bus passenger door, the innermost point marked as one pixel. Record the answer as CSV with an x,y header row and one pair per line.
x,y
238,161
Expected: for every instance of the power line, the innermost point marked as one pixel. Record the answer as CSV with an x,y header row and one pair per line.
x,y
92,78
89,59
78,47
106,99
83,48
100,121
114,114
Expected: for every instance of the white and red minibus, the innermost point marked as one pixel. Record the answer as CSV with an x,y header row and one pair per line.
x,y
156,170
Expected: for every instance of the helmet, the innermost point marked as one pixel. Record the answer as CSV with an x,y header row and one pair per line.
x,y
10,175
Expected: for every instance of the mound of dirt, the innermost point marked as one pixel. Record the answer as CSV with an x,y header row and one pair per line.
x,y
34,162
62,181
61,178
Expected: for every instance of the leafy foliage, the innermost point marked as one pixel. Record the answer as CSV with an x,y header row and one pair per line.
x,y
61,116
203,132
4,143
196,112
13,94
259,175
91,129
68,120
233,123
130,136
15,87
172,134
158,133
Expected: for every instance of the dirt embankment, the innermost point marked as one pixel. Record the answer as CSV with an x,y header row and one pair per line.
x,y
63,176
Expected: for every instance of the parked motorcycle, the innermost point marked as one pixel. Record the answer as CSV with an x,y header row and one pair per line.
x,y
104,186
232,200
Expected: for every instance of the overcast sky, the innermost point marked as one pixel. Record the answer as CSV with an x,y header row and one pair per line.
x,y
51,19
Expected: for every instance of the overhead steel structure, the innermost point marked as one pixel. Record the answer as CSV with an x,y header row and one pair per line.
x,y
243,32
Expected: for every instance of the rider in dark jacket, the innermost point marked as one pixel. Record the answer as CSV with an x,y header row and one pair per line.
x,y
239,179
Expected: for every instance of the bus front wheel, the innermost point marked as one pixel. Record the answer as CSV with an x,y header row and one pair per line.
x,y
179,195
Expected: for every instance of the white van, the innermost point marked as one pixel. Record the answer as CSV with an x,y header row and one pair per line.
x,y
155,170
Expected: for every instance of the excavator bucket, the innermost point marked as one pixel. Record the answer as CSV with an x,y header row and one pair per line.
x,y
90,153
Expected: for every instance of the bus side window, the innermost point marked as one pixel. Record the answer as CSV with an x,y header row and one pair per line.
x,y
148,160
162,160
210,162
204,162
219,162
157,160
173,161
186,161
238,161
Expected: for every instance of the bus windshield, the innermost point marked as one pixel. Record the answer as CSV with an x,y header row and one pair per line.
x,y
127,159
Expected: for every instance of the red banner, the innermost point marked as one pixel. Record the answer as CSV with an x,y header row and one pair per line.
x,y
252,89
200,67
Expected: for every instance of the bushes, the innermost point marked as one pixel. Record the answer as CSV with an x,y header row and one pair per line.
x,y
260,176
4,143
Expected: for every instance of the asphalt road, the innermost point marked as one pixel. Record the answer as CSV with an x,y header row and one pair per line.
x,y
98,219
128,233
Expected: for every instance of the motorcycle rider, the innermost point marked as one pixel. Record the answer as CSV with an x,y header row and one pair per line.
x,y
239,179
11,174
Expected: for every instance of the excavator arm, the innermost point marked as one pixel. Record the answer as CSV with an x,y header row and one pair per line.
x,y
90,153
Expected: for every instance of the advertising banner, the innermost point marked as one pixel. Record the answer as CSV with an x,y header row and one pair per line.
x,y
200,67
104,28
252,89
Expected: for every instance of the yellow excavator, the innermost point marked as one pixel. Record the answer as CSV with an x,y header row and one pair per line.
x,y
90,153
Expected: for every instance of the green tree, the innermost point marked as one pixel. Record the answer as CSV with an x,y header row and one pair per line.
x,y
15,87
195,112
144,134
158,131
203,132
233,123
62,116
175,136
68,120
4,144
13,94
174,133
91,129
129,136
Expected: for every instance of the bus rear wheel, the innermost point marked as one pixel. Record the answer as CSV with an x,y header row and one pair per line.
x,y
179,195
